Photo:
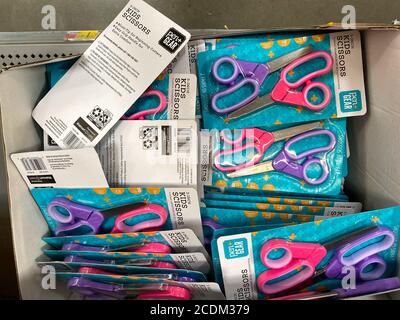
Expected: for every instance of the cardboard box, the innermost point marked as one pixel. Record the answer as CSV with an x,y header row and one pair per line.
x,y
374,177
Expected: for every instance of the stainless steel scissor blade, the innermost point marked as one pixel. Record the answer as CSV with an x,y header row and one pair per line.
x,y
255,105
283,61
258,168
294,131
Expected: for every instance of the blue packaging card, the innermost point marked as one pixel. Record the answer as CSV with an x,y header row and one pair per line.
x,y
347,87
214,193
339,203
282,182
275,207
235,253
191,261
107,198
62,266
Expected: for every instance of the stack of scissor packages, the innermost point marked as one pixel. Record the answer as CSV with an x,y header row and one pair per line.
x,y
127,243
175,169
274,156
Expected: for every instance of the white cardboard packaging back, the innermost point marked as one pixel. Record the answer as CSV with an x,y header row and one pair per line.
x,y
110,76
374,174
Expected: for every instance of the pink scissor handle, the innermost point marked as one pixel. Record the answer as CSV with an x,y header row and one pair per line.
x,y
301,257
160,108
170,293
307,270
259,140
285,91
313,252
120,225
155,247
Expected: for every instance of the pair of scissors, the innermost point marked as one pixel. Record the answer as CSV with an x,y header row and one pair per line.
x,y
100,290
283,273
253,74
75,218
295,165
160,108
250,140
150,262
155,247
283,92
166,276
374,286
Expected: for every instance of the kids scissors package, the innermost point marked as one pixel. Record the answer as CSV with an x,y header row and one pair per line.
x,y
190,261
270,263
284,200
114,287
172,241
301,79
153,272
118,210
273,207
305,159
216,219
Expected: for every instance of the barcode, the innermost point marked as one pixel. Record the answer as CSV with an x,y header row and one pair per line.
x,y
184,136
72,141
33,164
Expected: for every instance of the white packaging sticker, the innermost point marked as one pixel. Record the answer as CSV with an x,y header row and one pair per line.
x,y
184,241
182,90
356,206
192,261
204,290
348,74
149,153
61,169
237,266
184,209
205,153
338,212
110,76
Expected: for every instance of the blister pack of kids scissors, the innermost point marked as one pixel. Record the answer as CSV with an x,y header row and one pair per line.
x,y
277,208
304,159
108,286
262,39
127,270
172,241
87,256
216,219
118,210
277,262
284,200
301,79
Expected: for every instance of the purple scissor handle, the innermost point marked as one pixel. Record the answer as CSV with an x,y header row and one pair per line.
x,y
154,247
212,226
254,74
364,257
101,290
286,160
78,218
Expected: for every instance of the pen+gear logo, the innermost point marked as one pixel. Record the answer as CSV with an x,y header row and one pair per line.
x,y
100,117
172,40
149,137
